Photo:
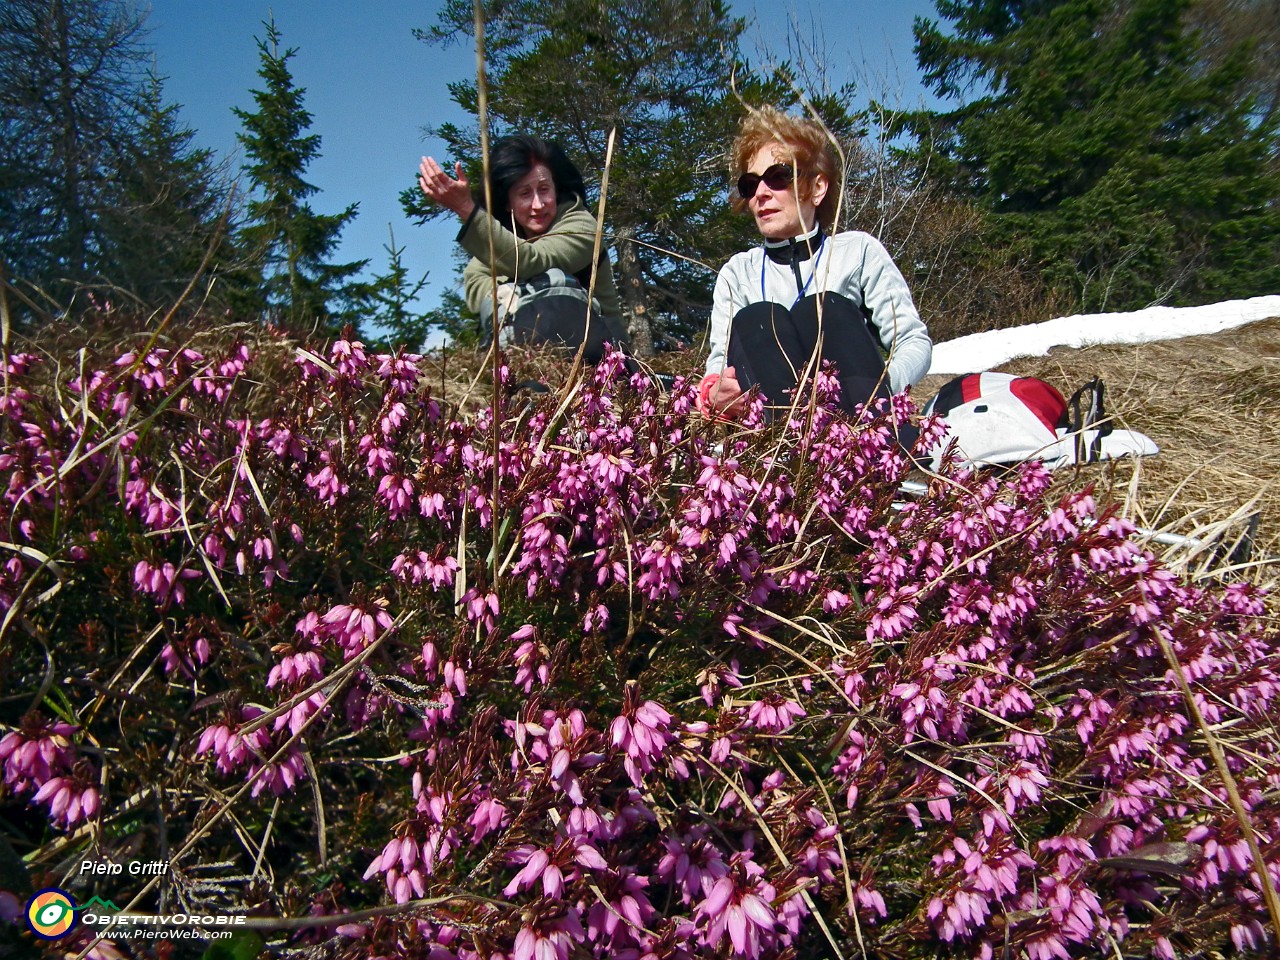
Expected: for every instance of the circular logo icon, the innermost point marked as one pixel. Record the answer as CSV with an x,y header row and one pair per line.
x,y
51,914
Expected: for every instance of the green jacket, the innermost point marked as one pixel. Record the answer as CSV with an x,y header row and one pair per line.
x,y
568,244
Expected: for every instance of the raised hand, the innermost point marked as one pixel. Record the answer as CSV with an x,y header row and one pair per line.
x,y
452,193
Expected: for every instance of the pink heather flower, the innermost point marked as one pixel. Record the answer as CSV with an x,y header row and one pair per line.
x,y
231,749
555,944
349,357
481,608
186,657
819,856
164,582
960,916
401,373
642,733
37,754
538,868
834,601
68,799
894,615
355,627
80,941
870,900
296,718
1023,785
432,504
740,912
1248,936
774,713
608,470
532,661
939,804
390,423
488,816
300,668
713,680
326,483
456,677
281,777
560,742
1089,711
597,619
422,567
692,863
660,567
626,905
377,458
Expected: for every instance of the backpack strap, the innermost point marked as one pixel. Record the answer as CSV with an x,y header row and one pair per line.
x,y
1086,411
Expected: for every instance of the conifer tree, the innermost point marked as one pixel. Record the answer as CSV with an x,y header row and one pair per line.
x,y
290,241
1106,150
170,216
392,295
69,72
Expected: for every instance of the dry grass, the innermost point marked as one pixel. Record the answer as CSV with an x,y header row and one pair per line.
x,y
1209,402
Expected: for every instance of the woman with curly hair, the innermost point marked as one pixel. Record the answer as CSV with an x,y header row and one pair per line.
x,y
805,293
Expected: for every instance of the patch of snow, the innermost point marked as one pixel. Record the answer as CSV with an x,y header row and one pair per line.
x,y
984,351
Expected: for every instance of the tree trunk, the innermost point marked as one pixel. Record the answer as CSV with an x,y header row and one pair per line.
x,y
631,286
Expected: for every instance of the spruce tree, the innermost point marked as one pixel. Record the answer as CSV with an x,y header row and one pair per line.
x,y
291,242
170,217
69,72
392,295
1105,148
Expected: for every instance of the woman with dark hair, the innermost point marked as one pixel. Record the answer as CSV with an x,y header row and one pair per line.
x,y
543,239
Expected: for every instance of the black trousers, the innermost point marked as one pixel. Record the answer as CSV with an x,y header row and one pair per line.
x,y
770,345
554,310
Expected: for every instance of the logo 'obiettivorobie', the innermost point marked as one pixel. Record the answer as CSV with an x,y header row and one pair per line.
x,y
51,913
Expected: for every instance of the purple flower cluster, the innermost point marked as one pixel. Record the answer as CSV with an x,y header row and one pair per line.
x,y
600,678
40,759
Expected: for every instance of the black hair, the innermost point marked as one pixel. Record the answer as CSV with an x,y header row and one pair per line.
x,y
511,158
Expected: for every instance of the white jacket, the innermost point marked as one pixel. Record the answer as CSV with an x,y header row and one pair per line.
x,y
853,264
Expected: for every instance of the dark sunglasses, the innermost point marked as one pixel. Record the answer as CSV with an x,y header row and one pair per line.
x,y
778,177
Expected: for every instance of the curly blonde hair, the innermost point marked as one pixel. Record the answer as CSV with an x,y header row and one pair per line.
x,y
803,141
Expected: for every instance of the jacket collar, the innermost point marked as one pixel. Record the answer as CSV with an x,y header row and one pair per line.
x,y
796,249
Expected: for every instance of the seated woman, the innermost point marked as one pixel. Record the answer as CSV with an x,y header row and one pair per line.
x,y
803,290
543,239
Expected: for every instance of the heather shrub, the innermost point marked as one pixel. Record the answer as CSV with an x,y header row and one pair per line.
x,y
586,675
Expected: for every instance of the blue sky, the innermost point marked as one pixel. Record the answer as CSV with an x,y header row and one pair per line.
x,y
371,87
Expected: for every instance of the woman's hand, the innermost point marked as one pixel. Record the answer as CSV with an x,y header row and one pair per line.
x,y
727,397
452,193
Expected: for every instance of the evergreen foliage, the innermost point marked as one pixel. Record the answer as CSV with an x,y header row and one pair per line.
x,y
1106,148
68,70
391,297
293,243
1224,26
171,216
101,186
457,321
